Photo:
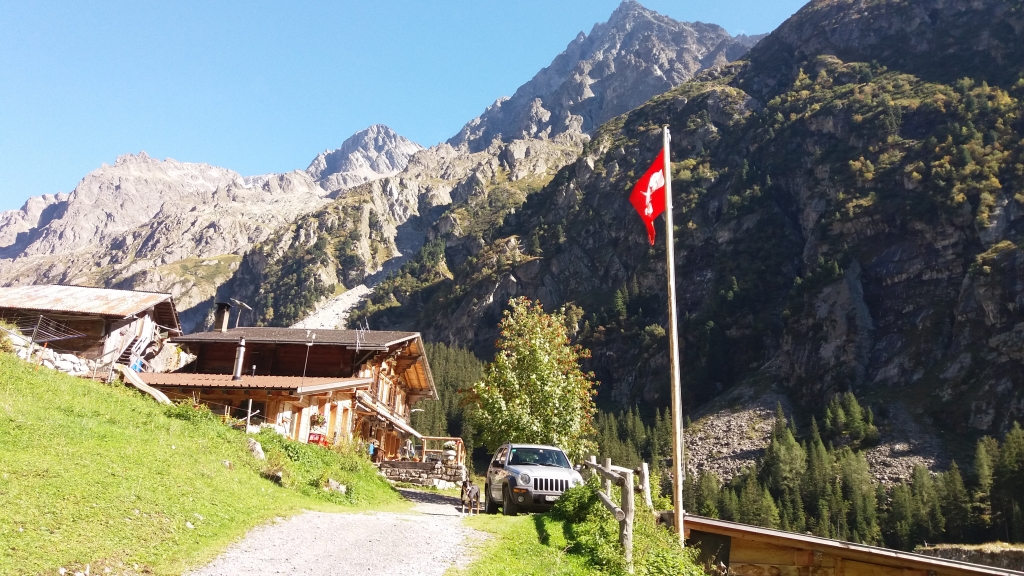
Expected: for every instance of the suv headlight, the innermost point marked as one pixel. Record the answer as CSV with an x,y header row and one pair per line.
x,y
524,479
576,482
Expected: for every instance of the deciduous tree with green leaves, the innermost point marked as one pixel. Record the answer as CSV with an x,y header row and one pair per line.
x,y
535,391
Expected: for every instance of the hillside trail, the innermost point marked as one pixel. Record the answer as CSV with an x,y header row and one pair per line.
x,y
427,541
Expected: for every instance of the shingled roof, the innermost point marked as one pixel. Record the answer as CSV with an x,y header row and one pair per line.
x,y
364,339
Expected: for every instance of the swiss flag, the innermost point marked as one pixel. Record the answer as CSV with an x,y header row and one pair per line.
x,y
648,195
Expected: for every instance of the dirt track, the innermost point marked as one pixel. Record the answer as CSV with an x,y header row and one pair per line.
x,y
427,541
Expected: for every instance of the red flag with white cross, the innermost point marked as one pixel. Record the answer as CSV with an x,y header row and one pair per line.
x,y
648,195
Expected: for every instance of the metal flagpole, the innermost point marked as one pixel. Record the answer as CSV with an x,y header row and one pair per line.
x,y
673,331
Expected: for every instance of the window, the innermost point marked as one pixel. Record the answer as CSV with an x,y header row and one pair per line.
x,y
499,457
539,457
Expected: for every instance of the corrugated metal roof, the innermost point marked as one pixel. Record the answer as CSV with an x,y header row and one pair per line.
x,y
80,300
186,380
366,339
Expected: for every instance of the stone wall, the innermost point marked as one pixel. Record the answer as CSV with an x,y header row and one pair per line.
x,y
995,554
440,474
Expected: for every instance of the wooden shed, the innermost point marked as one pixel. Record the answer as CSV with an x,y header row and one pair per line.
x,y
92,323
754,551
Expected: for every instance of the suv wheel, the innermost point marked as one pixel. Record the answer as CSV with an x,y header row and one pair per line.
x,y
508,506
490,506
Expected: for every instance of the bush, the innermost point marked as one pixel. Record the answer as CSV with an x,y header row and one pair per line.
x,y
6,345
594,534
307,468
185,410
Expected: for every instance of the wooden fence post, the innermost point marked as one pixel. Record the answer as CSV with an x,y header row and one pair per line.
x,y
645,485
623,478
626,525
608,481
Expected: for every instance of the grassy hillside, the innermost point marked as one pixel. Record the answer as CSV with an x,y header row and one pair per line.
x,y
101,475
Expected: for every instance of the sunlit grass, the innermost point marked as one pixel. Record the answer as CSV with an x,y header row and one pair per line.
x,y
533,544
100,475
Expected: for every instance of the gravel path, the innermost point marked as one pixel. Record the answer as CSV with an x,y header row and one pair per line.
x,y
426,542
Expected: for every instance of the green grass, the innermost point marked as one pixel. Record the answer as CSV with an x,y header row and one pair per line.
x,y
100,475
534,544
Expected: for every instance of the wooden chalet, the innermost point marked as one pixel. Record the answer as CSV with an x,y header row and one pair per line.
x,y
358,384
746,550
92,323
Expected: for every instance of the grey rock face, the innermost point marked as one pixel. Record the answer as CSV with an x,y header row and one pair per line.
x,y
16,225
113,200
624,62
150,224
369,154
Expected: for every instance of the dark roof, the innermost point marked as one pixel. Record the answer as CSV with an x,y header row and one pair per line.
x,y
105,302
364,339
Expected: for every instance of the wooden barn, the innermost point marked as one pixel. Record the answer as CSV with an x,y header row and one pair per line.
x,y
321,386
746,550
92,323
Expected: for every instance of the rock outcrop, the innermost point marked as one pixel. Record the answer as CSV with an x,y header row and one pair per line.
x,y
622,63
369,154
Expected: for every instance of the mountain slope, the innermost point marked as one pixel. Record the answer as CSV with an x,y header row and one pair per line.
x,y
173,226
466,183
936,40
635,55
858,230
371,229
156,225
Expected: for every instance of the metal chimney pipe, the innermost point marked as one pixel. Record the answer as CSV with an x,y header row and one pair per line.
x,y
223,317
239,359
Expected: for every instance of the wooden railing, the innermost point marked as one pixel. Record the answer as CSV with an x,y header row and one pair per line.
x,y
624,513
435,445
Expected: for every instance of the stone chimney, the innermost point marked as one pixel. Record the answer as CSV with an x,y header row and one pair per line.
x,y
223,317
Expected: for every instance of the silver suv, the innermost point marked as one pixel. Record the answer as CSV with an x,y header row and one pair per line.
x,y
527,477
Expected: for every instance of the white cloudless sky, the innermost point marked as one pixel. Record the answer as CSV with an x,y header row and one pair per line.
x,y
263,87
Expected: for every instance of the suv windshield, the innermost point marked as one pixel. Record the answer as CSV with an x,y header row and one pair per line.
x,y
538,457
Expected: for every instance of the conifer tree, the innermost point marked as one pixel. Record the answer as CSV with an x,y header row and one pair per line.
x,y
928,520
899,518
708,494
1008,487
981,501
860,496
814,487
956,505
728,505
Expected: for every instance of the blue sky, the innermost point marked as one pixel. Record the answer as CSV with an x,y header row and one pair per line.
x,y
263,87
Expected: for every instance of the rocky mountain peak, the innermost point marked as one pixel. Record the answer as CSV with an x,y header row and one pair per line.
x,y
141,157
635,55
372,153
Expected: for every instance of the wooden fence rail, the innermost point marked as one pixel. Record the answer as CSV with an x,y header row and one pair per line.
x,y
623,478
